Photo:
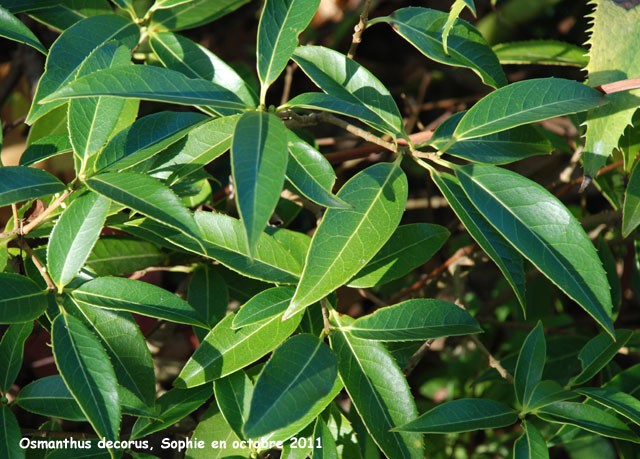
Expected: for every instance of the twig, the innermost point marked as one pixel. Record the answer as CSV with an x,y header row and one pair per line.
x,y
493,362
417,356
16,219
41,268
565,189
154,329
365,293
288,79
358,29
366,135
415,106
618,86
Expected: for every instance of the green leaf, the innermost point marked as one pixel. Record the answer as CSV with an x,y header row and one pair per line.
x,y
300,372
151,83
225,350
69,52
352,90
145,195
117,255
499,148
10,436
233,396
541,228
463,415
193,13
531,360
20,183
526,102
541,52
454,13
66,13
258,162
208,295
598,352
545,393
263,306
414,320
281,22
214,428
311,174
53,123
491,241
531,444
87,372
378,390
45,148
74,235
589,418
322,436
631,209
20,6
11,352
423,28
13,29
624,404
410,246
347,239
21,300
170,408
49,396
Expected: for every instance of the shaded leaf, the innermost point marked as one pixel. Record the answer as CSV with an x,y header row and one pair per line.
x,y
208,294
117,255
66,13
531,360
10,435
322,436
11,352
214,428
545,393
598,352
44,148
541,52
13,29
263,306
49,396
624,404
193,13
631,208
20,183
21,300
531,444
233,396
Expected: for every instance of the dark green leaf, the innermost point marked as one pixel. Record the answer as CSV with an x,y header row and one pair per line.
x,y
610,267
208,295
423,28
545,393
44,148
263,306
410,246
10,435
117,255
194,13
347,239
624,404
598,352
49,396
20,6
68,12
21,300
322,437
13,29
259,162
531,444
20,183
544,52
631,209
531,360
233,396
11,352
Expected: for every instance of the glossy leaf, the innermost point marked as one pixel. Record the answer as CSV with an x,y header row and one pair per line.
x,y
44,148
21,300
66,13
631,209
10,435
300,372
491,241
531,444
11,352
208,295
526,102
378,391
87,372
423,28
541,52
414,320
117,255
410,246
545,393
49,396
280,24
20,183
233,396
13,29
225,350
624,404
541,228
20,6
74,235
69,52
351,89
598,352
214,428
328,449
124,294
531,360
263,306
463,415
347,239
258,161
194,13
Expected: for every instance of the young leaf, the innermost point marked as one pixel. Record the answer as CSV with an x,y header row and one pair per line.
x,y
20,183
378,391
531,360
414,320
631,209
541,228
87,372
72,49
117,255
299,373
338,248
13,29
423,28
49,396
21,300
74,235
624,404
225,350
44,148
280,24
541,52
208,295
322,436
531,444
193,13
352,90
233,396
10,434
598,352
263,306
525,102
410,246
259,162
11,352
463,415
545,393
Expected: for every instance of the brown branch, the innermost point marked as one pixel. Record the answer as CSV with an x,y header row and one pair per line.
x,y
288,79
366,294
565,189
417,356
618,86
358,29
43,271
493,362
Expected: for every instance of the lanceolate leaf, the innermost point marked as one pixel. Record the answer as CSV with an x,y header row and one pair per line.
x,y
74,235
66,13
463,416
280,24
544,52
598,352
214,427
86,369
263,306
20,6
194,13
423,28
352,89
624,404
20,183
378,390
419,319
11,352
543,230
208,294
299,373
49,396
348,238
233,396
21,300
531,360
631,209
44,148
136,296
117,255
259,162
531,444
545,393
329,449
10,434
13,29
525,102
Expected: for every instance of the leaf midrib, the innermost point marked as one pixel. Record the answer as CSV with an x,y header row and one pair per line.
x,y
277,40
